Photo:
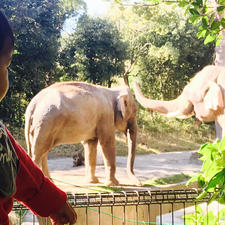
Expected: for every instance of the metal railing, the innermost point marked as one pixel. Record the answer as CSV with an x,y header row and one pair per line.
x,y
132,207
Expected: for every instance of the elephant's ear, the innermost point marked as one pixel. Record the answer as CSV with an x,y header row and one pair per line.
x,y
123,105
213,99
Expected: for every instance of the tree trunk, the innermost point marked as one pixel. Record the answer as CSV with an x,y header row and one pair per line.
x,y
219,61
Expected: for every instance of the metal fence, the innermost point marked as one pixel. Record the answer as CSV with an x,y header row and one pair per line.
x,y
163,207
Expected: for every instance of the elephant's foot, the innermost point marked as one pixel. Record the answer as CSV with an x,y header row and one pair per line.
x,y
134,179
111,182
92,180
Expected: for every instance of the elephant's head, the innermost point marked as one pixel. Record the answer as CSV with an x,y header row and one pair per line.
x,y
125,121
203,96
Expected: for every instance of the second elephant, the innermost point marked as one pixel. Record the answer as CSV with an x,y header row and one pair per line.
x,y
202,97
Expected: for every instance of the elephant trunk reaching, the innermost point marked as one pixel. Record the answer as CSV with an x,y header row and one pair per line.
x,y
131,134
179,107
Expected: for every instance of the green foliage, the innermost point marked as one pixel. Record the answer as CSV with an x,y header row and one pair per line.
x,y
174,55
94,52
164,51
37,28
212,175
207,15
212,180
199,218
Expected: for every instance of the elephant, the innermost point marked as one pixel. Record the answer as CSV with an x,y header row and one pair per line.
x,y
77,112
203,97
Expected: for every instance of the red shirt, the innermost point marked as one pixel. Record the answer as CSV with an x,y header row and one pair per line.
x,y
34,190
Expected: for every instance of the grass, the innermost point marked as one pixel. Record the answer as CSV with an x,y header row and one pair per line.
x,y
177,178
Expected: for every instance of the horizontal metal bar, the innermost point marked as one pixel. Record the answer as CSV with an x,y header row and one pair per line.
x,y
131,198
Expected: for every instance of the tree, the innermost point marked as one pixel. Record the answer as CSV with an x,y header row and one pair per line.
x,y
164,49
209,18
174,56
94,52
37,26
208,15
133,29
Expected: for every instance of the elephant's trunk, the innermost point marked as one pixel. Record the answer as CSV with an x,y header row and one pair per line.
x,y
131,141
179,107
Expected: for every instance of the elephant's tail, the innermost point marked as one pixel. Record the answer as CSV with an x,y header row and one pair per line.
x,y
28,121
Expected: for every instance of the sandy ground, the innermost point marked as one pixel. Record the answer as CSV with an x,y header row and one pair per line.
x,y
71,179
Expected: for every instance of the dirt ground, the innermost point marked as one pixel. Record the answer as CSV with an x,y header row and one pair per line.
x,y
71,179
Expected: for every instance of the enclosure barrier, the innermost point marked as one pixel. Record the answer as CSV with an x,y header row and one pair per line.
x,y
163,207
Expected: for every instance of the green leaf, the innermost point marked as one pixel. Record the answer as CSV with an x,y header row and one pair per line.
x,y
221,2
205,21
220,9
215,26
194,19
219,40
222,22
199,3
212,19
222,213
201,34
194,12
209,217
201,196
193,179
209,39
182,4
216,180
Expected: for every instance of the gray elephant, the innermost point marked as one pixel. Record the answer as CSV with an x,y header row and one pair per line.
x,y
73,112
202,97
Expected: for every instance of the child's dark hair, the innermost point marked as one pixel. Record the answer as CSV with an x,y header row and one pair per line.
x,y
5,31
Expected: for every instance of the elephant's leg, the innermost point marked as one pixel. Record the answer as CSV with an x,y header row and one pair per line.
x,y
39,154
90,151
108,147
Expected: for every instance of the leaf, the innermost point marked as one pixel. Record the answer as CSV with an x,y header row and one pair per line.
x,y
194,19
214,196
209,39
199,3
215,27
209,217
216,180
201,34
220,9
201,196
222,213
221,2
205,21
222,22
193,179
194,12
182,4
204,146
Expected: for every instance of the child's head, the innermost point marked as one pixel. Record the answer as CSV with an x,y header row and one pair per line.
x,y
6,51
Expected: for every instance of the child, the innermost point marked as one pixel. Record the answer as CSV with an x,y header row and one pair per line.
x,y
20,178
